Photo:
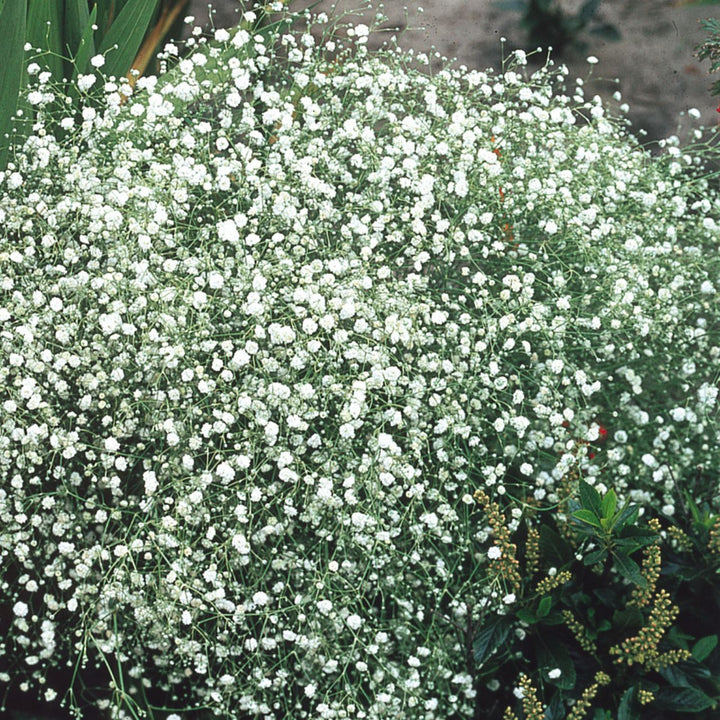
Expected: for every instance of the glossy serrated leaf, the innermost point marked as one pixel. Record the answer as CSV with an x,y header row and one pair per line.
x,y
704,646
609,504
629,569
683,699
595,556
628,515
587,516
12,19
544,606
553,654
490,638
627,621
122,41
625,708
553,548
590,498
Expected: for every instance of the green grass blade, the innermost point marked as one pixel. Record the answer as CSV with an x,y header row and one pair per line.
x,y
76,20
127,32
86,46
12,17
45,32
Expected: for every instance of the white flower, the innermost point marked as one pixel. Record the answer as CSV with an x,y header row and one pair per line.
x,y
324,606
228,231
20,609
354,621
494,553
110,322
85,82
97,61
261,598
151,482
555,673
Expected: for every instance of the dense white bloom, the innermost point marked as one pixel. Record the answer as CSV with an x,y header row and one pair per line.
x,y
267,326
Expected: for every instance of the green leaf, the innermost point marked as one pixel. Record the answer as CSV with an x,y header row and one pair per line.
x,y
590,498
609,503
628,515
12,19
552,654
553,548
627,621
704,646
490,638
127,33
629,569
625,711
683,700
555,709
76,20
595,556
544,606
587,516
44,32
86,47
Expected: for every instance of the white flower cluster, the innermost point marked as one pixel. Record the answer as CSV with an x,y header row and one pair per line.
x,y
267,323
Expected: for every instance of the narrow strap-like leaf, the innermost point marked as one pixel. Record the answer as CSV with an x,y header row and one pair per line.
x,y
76,20
127,33
154,37
12,18
45,33
86,46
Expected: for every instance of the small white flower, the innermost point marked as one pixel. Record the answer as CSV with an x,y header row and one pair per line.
x,y
555,673
261,598
354,621
97,61
20,609
324,606
494,553
151,482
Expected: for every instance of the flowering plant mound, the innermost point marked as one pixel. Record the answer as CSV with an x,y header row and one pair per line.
x,y
270,319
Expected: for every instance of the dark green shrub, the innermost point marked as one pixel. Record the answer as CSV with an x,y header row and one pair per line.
x,y
605,609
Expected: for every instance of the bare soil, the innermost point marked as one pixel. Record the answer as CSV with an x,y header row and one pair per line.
x,y
653,65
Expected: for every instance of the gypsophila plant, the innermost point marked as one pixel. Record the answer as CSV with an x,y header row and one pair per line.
x,y
615,614
268,320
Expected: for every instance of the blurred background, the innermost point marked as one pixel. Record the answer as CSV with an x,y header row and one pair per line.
x,y
645,48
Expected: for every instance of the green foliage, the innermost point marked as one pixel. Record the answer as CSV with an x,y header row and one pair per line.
x,y
548,25
64,36
12,18
613,595
710,48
